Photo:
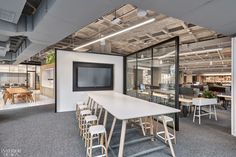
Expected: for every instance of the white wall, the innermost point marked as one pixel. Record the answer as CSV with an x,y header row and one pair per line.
x,y
233,87
66,98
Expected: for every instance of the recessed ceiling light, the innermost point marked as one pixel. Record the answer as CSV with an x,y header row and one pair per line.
x,y
141,13
116,21
211,63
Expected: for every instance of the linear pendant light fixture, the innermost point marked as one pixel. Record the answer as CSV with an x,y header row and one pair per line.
x,y
116,33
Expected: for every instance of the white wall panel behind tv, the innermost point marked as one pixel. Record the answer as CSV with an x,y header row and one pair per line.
x,y
66,98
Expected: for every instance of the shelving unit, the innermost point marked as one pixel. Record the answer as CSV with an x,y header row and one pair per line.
x,y
217,79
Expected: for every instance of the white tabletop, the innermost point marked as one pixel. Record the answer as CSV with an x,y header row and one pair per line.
x,y
125,107
204,101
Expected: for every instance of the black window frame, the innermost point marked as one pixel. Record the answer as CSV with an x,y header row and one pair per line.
x,y
176,40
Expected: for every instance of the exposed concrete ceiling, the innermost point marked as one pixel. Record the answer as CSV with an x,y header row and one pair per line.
x,y
56,19
10,10
197,44
217,15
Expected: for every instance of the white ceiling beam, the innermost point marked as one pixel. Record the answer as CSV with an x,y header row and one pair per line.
x,y
189,31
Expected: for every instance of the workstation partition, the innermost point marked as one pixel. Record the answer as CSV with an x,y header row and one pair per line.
x,y
152,74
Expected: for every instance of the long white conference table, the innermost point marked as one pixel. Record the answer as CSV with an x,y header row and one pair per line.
x,y
124,108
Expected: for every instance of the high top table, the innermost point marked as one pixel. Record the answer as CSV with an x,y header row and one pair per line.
x,y
124,107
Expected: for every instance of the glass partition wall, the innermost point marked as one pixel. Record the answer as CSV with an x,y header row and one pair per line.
x,y
19,76
152,74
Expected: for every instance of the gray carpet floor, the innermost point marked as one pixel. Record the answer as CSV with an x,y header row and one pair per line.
x,y
39,132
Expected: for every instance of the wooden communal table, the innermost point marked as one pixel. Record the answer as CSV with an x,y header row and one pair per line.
x,y
124,108
17,90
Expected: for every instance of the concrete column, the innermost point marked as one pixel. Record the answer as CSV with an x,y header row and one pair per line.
x,y
189,78
181,77
156,76
233,87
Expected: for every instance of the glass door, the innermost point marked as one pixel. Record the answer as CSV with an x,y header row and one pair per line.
x,y
144,74
32,77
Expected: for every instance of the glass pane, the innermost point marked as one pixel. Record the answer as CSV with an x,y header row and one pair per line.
x,y
131,87
144,64
164,74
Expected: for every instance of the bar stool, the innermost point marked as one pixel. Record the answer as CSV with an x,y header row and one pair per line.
x,y
97,131
83,113
147,124
90,120
165,120
81,107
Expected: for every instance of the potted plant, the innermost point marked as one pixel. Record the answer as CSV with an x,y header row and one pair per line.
x,y
208,94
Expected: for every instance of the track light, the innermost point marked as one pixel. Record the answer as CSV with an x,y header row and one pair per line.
x,y
116,33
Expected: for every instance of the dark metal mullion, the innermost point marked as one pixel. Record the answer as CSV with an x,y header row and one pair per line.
x,y
177,83
136,83
55,82
125,74
35,77
152,73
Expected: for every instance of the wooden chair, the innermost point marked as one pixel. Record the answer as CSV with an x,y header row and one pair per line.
x,y
29,97
6,96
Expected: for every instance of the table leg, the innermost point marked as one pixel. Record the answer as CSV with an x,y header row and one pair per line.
x,y
215,112
105,119
122,138
209,111
13,100
194,114
199,114
111,131
151,126
185,111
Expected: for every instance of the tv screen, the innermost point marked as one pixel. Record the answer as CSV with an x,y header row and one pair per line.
x,y
92,76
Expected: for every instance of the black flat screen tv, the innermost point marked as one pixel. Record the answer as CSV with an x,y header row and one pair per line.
x,y
92,76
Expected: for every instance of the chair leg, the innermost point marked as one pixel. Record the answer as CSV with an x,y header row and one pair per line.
x,y
86,134
91,145
168,139
151,126
88,145
102,142
209,111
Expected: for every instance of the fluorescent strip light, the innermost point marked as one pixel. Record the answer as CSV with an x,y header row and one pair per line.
x,y
216,74
116,33
201,51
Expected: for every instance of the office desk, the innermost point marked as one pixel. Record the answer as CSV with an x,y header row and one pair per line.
x,y
124,107
186,106
184,100
226,99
